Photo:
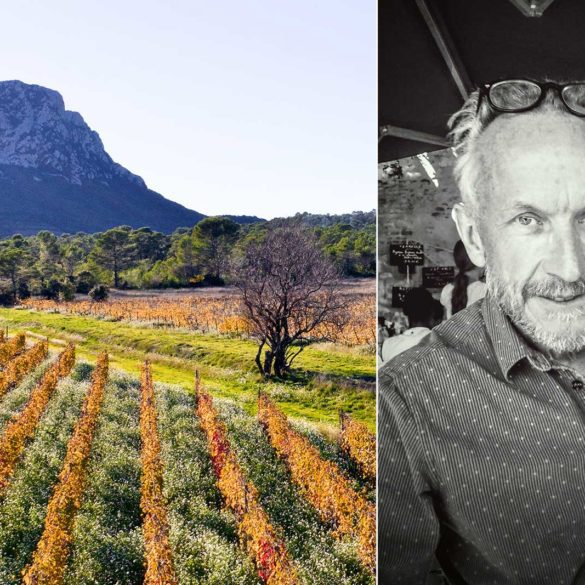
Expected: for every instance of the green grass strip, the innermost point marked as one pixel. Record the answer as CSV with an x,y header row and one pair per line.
x,y
319,391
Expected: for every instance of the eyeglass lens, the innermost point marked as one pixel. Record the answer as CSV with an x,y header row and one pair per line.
x,y
514,94
574,96
517,94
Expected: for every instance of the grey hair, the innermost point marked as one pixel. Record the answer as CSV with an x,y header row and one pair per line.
x,y
466,126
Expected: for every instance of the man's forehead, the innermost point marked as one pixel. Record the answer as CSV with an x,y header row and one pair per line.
x,y
525,159
529,130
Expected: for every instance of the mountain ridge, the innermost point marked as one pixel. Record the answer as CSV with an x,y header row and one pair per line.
x,y
36,131
55,173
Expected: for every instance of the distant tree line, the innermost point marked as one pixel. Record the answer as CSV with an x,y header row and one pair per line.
x,y
58,266
356,219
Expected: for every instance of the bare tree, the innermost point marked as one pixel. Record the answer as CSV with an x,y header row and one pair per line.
x,y
290,293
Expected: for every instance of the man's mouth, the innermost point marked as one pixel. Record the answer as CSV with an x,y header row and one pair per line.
x,y
563,299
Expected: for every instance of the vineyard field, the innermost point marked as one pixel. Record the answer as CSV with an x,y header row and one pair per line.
x,y
219,312
110,454
328,378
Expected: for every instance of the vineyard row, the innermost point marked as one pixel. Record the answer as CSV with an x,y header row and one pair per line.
x,y
322,483
10,347
256,532
359,445
21,365
223,315
159,559
50,557
22,426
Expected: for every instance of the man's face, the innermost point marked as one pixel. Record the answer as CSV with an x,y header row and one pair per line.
x,y
532,225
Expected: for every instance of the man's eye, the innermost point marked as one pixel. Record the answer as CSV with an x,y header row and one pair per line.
x,y
527,220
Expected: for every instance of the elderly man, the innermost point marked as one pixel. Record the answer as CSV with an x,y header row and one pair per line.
x,y
482,426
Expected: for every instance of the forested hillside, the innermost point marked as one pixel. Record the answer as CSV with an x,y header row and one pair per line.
x,y
58,266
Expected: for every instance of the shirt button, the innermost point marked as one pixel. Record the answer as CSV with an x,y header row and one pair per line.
x,y
577,385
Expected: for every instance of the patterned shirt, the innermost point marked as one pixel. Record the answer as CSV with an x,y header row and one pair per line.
x,y
481,459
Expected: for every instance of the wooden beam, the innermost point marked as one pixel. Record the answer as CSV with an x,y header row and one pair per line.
x,y
413,135
446,47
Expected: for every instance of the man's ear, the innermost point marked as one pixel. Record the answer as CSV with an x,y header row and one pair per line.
x,y
469,234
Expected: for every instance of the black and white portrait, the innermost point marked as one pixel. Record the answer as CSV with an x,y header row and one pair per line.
x,y
481,394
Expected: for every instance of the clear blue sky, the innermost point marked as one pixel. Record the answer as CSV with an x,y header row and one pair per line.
x,y
257,107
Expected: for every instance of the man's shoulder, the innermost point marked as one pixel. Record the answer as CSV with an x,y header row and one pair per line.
x,y
398,344
461,338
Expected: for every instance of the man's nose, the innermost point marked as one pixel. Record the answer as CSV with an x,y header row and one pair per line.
x,y
566,257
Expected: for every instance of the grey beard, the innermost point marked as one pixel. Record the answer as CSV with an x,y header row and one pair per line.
x,y
512,299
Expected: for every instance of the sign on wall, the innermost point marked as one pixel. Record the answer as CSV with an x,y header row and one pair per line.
x,y
407,253
437,276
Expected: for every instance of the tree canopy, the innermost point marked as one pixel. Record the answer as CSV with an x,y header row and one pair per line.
x,y
57,266
289,289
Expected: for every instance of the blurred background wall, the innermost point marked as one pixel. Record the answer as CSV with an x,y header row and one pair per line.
x,y
416,195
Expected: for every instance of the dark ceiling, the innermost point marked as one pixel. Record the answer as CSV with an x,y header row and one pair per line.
x,y
483,40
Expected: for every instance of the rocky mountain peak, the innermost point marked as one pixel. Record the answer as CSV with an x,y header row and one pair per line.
x,y
37,132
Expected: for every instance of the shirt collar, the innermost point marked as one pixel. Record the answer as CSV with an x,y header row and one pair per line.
x,y
416,330
510,347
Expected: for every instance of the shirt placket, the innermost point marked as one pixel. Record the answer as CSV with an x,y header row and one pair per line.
x,y
573,384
